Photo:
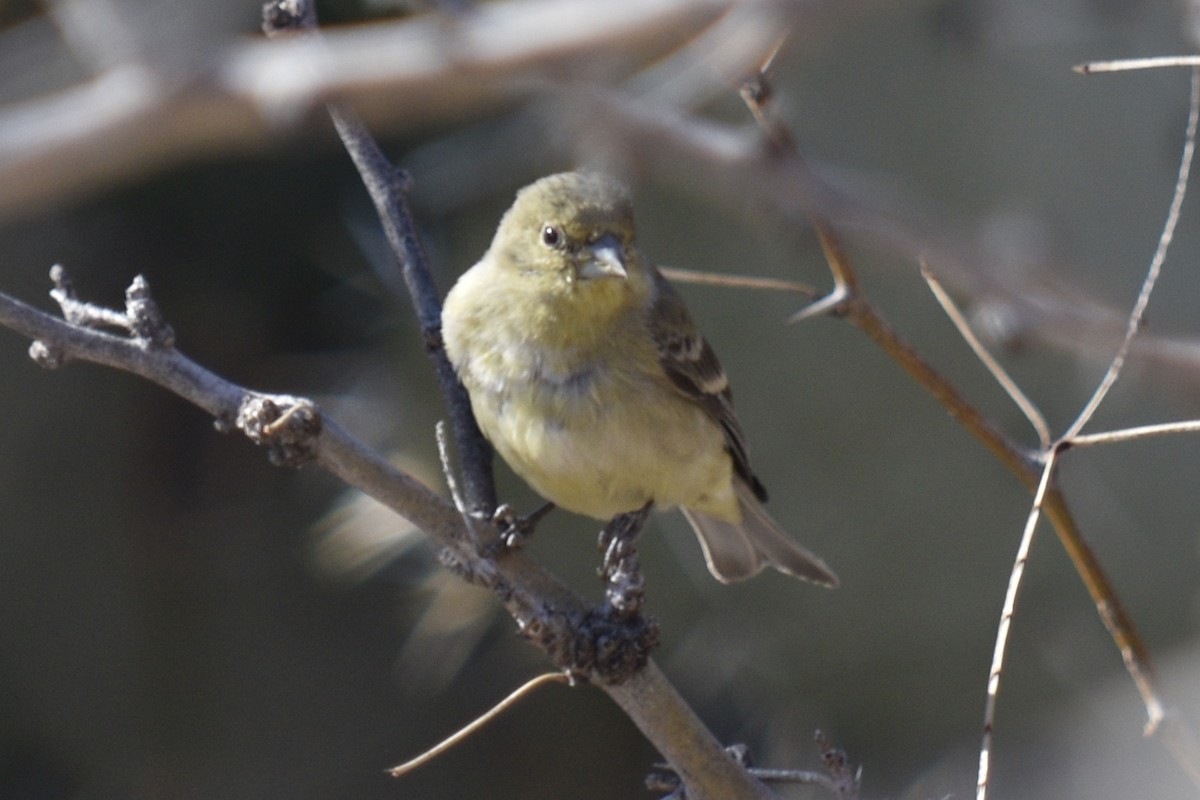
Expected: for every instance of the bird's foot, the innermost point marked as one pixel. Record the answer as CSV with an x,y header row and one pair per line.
x,y
515,530
624,585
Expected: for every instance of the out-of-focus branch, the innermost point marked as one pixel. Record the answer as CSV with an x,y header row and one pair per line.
x,y
134,117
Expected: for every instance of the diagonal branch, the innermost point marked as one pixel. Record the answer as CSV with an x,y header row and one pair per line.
x,y
848,300
297,432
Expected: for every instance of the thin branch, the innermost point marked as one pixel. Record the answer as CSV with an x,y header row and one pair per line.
x,y
388,188
1031,412
701,278
858,311
165,367
1120,626
1125,64
525,690
800,776
1140,432
1006,615
1160,255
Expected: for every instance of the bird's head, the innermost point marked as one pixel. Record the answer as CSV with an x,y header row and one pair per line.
x,y
571,235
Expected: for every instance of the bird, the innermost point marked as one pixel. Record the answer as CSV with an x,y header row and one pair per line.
x,y
589,377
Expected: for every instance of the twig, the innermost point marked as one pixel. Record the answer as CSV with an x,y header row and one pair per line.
x,y
702,278
1140,432
480,722
1031,412
839,778
858,311
1006,614
1124,64
1160,255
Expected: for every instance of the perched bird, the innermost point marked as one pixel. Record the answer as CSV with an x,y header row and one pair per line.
x,y
587,374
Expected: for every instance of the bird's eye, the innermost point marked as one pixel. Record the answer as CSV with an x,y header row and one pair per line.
x,y
552,237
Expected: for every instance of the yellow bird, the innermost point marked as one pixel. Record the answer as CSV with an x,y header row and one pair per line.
x,y
587,374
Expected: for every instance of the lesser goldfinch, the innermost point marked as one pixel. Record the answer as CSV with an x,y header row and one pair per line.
x,y
587,374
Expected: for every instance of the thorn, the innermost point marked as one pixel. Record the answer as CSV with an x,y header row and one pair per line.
x,y
829,304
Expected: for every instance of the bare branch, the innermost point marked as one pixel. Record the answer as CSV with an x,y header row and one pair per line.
x,y
402,74
849,301
480,722
1124,64
700,278
1160,255
1140,432
1006,615
547,612
1031,412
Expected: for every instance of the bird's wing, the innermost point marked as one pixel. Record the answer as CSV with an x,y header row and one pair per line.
x,y
693,368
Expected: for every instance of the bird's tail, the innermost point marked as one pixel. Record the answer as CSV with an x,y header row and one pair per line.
x,y
735,551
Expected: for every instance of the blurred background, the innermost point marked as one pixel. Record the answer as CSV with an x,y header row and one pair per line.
x,y
179,619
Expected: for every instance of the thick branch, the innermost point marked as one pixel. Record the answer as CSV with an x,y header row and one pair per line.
x,y
136,117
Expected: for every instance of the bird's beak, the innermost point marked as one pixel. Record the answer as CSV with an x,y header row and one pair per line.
x,y
606,259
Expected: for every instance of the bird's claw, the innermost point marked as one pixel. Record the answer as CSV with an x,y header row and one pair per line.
x,y
515,530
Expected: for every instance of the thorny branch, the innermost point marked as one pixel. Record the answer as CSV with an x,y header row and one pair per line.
x,y
1035,470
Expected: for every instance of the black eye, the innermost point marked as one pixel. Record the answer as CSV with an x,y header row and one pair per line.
x,y
552,237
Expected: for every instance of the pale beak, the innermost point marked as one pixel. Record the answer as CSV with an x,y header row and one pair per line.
x,y
606,259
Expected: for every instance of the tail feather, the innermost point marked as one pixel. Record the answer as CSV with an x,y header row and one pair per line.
x,y
735,551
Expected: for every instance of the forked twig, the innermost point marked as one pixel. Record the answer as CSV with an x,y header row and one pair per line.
x,y
1160,255
848,300
1177,738
479,722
